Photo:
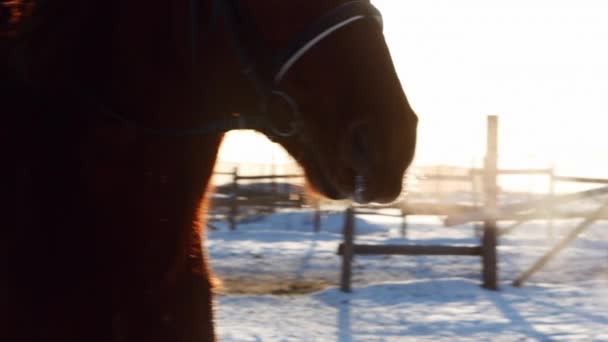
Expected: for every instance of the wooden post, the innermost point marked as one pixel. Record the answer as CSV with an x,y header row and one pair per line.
x,y
275,188
234,204
348,249
477,228
489,239
403,221
551,208
317,218
274,205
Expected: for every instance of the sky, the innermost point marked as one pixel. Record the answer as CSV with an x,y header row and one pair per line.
x,y
540,65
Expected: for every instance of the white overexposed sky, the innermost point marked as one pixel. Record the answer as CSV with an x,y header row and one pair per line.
x,y
541,65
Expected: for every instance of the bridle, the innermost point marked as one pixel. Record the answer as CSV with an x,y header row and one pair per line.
x,y
240,25
245,39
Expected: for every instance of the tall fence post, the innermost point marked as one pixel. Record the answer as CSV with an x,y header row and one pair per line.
x,y
489,239
348,250
234,205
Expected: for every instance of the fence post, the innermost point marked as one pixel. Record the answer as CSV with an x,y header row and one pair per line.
x,y
317,218
403,221
477,228
551,209
234,205
489,239
348,250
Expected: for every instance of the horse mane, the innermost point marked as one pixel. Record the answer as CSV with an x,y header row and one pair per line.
x,y
48,40
12,13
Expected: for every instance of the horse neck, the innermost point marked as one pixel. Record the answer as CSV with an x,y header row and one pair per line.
x,y
118,52
114,49
171,73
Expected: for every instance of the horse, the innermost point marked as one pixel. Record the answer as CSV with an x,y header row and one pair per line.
x,y
112,115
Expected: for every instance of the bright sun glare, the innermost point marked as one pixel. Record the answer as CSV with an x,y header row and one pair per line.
x,y
541,65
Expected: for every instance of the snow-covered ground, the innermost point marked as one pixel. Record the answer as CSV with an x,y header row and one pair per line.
x,y
280,284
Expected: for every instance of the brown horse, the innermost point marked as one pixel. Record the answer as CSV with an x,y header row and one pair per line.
x,y
112,114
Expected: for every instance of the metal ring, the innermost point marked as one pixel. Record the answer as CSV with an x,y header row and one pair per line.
x,y
295,124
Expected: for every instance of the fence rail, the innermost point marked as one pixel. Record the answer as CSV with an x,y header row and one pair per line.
x,y
581,180
272,200
268,177
514,209
412,250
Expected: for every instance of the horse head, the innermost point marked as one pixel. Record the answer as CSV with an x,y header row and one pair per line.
x,y
334,100
319,73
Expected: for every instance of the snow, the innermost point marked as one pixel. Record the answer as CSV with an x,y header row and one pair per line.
x,y
281,283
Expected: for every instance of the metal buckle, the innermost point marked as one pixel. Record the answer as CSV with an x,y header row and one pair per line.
x,y
295,125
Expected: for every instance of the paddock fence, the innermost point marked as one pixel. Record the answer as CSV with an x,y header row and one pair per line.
x,y
487,206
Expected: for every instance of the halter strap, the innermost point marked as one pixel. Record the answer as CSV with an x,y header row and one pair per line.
x,y
215,127
325,26
249,46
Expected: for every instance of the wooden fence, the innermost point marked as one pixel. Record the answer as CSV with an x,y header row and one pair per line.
x,y
272,200
487,250
489,212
